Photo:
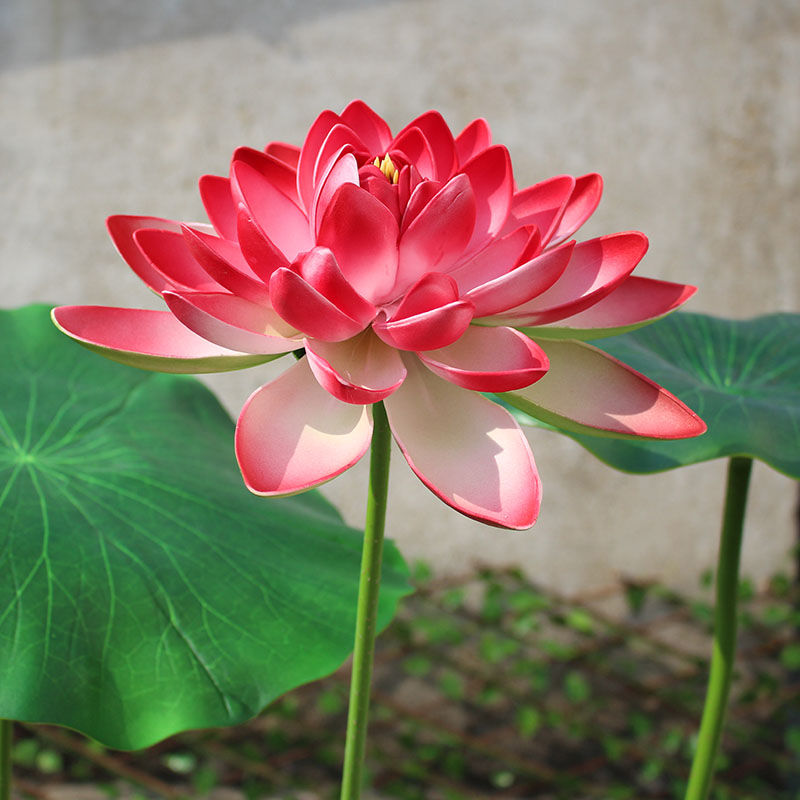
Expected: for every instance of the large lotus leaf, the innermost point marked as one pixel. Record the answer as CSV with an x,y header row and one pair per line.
x,y
143,590
741,377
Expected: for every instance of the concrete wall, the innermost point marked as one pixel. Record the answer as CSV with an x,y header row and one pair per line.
x,y
690,110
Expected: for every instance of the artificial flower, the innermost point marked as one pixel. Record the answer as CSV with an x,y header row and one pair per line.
x,y
405,268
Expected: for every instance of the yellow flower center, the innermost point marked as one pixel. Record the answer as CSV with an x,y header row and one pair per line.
x,y
387,167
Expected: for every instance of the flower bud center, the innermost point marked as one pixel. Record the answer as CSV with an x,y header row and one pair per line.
x,y
387,167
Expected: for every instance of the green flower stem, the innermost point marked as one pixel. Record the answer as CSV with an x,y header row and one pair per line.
x,y
368,591
724,652
6,732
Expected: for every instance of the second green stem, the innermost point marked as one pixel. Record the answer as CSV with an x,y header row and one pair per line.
x,y
725,616
367,611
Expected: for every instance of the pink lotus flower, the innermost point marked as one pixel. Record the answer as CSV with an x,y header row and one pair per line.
x,y
410,270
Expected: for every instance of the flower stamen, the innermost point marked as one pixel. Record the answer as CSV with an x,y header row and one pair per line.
x,y
387,167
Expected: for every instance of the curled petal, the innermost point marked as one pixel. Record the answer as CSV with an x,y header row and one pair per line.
x,y
488,360
467,450
276,215
215,192
438,236
496,259
121,228
522,283
316,135
580,206
279,174
292,434
542,205
308,310
153,340
634,303
168,254
492,181
475,138
288,153
370,128
440,142
233,322
362,234
414,149
596,269
423,193
342,169
587,391
429,330
429,292
361,370
257,248
224,262
319,268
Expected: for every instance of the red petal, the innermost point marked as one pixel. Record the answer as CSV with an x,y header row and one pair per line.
x,y
362,233
467,450
153,340
371,128
306,309
281,176
233,322
292,434
440,143
436,239
493,184
276,215
475,138
581,205
542,205
361,370
521,283
586,390
215,192
488,360
122,228
224,262
168,253
429,330
288,153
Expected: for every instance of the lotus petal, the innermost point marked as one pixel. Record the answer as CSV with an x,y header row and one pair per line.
x,y
276,215
215,192
153,340
467,450
596,269
288,153
121,228
634,303
436,239
587,391
292,434
492,181
370,128
475,138
488,360
522,283
362,234
362,370
306,309
168,253
276,172
440,142
583,201
224,262
542,205
233,322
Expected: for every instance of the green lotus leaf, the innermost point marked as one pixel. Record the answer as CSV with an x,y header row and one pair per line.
x,y
143,590
741,376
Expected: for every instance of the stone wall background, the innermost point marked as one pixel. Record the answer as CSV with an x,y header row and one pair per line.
x,y
691,111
